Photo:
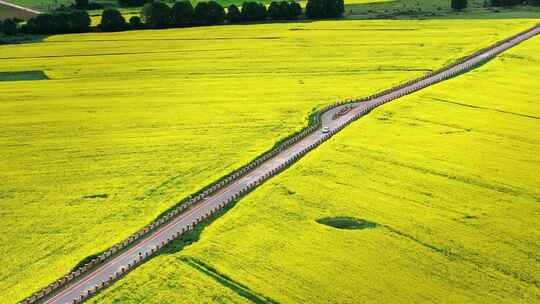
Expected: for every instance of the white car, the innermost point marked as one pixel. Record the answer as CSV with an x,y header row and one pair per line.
x,y
325,130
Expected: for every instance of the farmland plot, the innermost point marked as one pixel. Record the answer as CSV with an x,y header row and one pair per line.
x,y
124,125
445,184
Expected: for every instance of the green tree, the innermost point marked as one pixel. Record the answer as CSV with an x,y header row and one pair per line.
x,y
262,12
61,23
112,20
295,10
81,4
253,11
233,14
247,11
135,22
334,8
340,8
79,21
182,13
274,11
156,14
316,9
40,24
133,3
284,10
217,13
458,5
9,27
200,13
207,13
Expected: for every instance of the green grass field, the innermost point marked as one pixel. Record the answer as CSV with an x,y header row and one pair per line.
x,y
129,123
449,175
430,9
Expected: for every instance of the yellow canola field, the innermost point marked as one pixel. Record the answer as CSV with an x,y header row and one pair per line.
x,y
129,123
451,177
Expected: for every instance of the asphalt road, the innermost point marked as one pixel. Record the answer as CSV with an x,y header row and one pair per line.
x,y
190,216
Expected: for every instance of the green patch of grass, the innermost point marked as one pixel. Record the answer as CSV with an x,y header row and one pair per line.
x,y
23,75
433,9
346,222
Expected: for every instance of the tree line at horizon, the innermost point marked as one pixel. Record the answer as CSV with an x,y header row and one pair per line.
x,y
156,14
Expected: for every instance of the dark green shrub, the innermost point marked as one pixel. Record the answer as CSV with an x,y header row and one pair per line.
x,y
9,27
61,23
40,24
217,13
94,6
200,13
133,3
182,13
253,11
505,2
135,22
316,9
274,11
79,21
112,20
334,8
208,13
295,10
458,5
156,14
233,14
284,10
81,4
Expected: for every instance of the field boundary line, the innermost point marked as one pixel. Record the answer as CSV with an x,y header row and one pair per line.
x,y
104,269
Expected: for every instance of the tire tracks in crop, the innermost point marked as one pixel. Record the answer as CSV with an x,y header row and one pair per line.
x,y
482,108
227,282
454,257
